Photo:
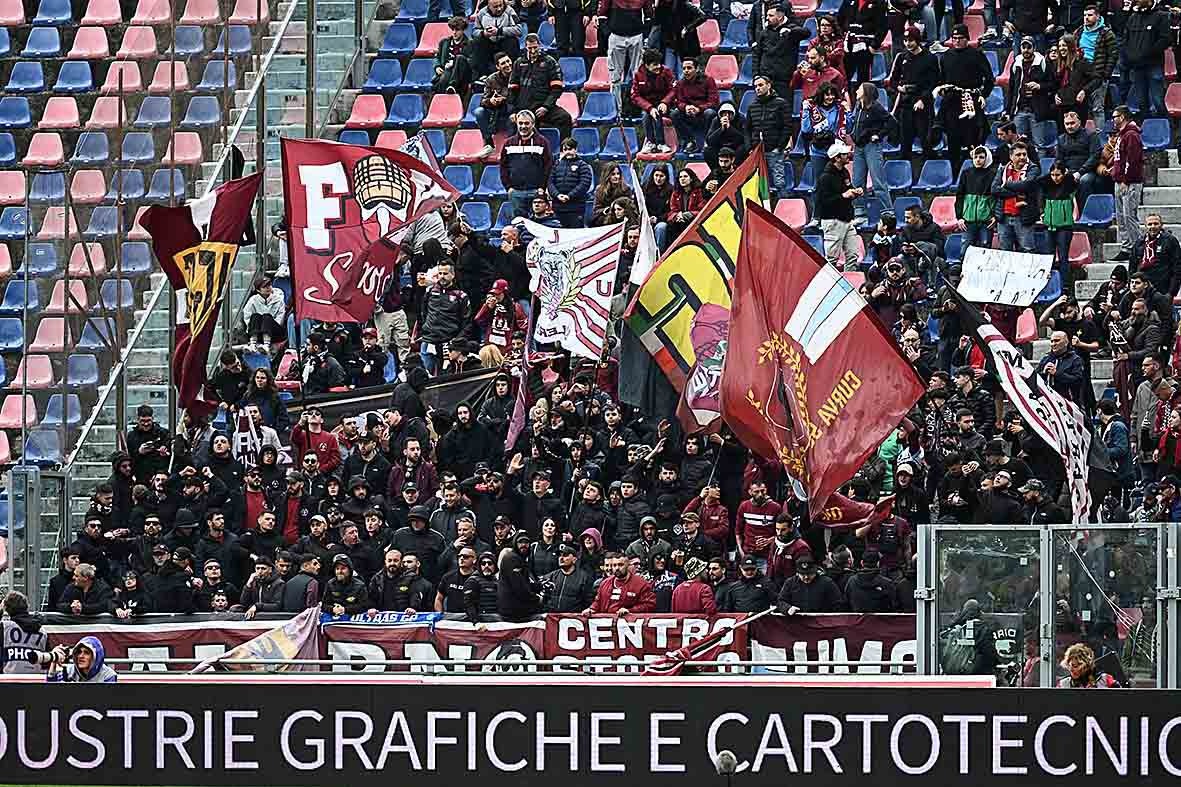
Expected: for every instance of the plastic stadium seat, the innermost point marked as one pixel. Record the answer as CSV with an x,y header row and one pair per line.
x,y
469,117
393,138
82,371
109,113
5,43
600,75
97,335
551,136
43,447
413,11
54,12
709,36
138,148
5,261
27,76
369,111
588,142
736,38
446,111
103,13
437,140
14,112
902,203
77,303
547,35
74,76
239,44
60,112
45,150
465,146
723,68
384,75
1098,212
432,34
12,188
40,260
503,217
807,182
137,230
12,13
1156,134
460,176
51,336
14,297
104,223
12,335
490,186
898,174
203,112
39,371
137,258
1045,135
90,43
53,225
400,40
573,72
188,149
87,260
154,112
935,176
152,12
419,73
943,213
190,41
92,148
613,147
250,12
43,42
139,43
14,223
953,248
48,188
116,295
54,411
1026,327
599,110
792,211
1080,249
169,74
200,12
127,185
356,136
167,183
406,110
1173,100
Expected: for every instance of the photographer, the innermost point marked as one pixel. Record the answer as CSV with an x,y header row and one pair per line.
x,y
87,667
21,640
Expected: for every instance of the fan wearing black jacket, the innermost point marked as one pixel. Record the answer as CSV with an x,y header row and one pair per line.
x,y
864,22
966,84
518,593
915,75
569,588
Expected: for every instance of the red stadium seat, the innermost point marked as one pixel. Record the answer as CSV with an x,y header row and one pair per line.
x,y
139,43
45,150
152,12
1080,249
465,146
132,81
88,260
34,372
201,12
709,36
286,364
432,34
599,77
943,213
1002,79
103,13
446,110
1170,66
250,12
569,102
51,336
592,37
670,140
12,188
60,112
188,149
392,138
88,187
1026,327
700,167
12,13
5,261
369,111
854,277
53,227
90,43
5,458
724,70
166,72
19,412
976,27
1173,100
792,211
137,231
77,303
106,114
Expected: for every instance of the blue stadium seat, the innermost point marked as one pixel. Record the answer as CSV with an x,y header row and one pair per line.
x,y
460,176
1053,289
92,148
1155,133
419,73
137,258
406,110
469,117
41,260
735,38
54,411
415,11
546,33
167,183
1098,212
126,184
203,112
54,12
12,335
14,112
613,148
13,223
993,62
746,72
255,360
1045,135
935,176
116,295
504,216
104,223
437,141
599,110
43,447
81,371
75,76
27,76
744,103
94,332
490,186
898,175
995,104
588,142
8,149
154,112
878,71
384,75
807,182
354,136
401,40
953,248
5,42
217,74
240,43
138,148
43,42
573,72
190,41
48,188
902,203
816,242
479,215
390,372
15,294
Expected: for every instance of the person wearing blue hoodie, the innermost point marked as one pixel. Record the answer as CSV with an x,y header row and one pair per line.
x,y
569,185
87,667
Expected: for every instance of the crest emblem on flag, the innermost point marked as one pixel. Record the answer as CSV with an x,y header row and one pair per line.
x,y
206,267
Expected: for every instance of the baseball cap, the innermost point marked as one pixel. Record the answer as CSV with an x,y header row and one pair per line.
x,y
806,565
370,332
566,549
1033,485
749,562
905,468
727,107
500,286
838,149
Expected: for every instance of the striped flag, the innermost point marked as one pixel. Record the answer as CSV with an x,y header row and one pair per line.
x,y
572,273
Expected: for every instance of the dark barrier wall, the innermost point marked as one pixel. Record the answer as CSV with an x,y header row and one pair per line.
x,y
505,736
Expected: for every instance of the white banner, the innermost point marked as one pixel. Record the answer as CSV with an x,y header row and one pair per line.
x,y
1013,278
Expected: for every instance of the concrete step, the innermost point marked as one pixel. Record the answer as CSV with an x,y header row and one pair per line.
x,y
1168,176
1086,289
1101,368
1101,271
1162,195
1169,213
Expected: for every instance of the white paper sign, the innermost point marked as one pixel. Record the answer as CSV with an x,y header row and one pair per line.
x,y
1013,278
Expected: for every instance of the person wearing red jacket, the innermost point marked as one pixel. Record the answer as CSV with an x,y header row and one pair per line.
x,y
685,202
695,103
715,517
786,549
622,592
755,523
1127,170
651,86
309,435
694,596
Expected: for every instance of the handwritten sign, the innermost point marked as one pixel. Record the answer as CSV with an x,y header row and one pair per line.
x,y
1013,278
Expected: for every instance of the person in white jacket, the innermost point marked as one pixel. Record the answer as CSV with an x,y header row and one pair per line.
x,y
263,315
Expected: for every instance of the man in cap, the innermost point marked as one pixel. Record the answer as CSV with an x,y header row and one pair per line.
x,y
214,582
303,590
590,511
727,130
911,500
692,542
751,592
1039,509
569,588
481,590
996,457
264,589
292,507
321,371
368,462
500,317
344,594
309,435
174,590
319,542
870,591
997,502
809,591
834,205
694,596
539,504
419,539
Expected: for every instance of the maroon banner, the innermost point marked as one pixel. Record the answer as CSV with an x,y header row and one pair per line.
x,y
190,640
355,645
626,644
852,638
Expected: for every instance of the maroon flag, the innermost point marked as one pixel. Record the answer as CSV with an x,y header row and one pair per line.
x,y
705,649
196,245
841,513
348,207
811,379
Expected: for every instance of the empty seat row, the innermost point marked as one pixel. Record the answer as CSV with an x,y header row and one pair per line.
x,y
76,77
108,113
98,336
17,411
42,260
15,224
94,147
89,187
21,295
136,43
60,13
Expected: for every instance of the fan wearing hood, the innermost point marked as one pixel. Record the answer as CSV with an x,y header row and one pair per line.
x,y
497,409
466,443
518,593
975,206
88,666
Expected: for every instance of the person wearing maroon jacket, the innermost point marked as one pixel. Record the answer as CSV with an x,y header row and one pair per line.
x,y
694,596
622,592
1127,170
309,435
715,518
755,524
786,549
651,86
695,103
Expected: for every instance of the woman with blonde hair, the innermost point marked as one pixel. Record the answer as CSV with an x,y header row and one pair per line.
x,y
1079,661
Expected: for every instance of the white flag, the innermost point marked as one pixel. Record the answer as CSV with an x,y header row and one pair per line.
x,y
647,253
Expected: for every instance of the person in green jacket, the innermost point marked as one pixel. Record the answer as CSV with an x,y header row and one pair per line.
x,y
1058,190
974,203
